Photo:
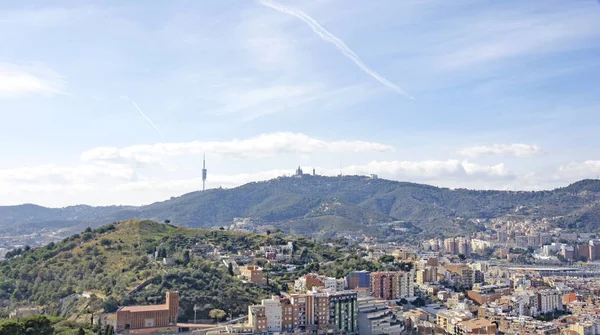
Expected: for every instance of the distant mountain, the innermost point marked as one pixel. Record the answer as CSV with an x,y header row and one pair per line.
x,y
324,206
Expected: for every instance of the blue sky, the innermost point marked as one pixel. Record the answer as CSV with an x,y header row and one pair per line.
x,y
476,94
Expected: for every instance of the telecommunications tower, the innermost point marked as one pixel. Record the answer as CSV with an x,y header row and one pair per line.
x,y
203,172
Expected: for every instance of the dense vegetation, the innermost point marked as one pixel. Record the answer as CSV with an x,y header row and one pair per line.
x,y
101,269
320,206
43,325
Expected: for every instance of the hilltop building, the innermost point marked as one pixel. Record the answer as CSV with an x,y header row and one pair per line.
x,y
253,274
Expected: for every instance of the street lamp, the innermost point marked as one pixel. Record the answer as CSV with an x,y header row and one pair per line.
x,y
196,308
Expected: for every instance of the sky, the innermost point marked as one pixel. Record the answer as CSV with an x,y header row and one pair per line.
x,y
115,102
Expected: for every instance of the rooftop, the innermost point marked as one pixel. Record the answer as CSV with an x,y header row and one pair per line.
x,y
144,308
477,323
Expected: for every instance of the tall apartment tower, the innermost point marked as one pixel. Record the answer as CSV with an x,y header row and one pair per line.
x,y
204,172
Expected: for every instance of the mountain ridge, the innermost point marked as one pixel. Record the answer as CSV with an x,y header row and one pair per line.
x,y
285,201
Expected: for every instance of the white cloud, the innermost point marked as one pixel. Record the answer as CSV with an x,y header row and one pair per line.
x,y
194,184
264,145
516,149
578,170
430,169
51,174
35,79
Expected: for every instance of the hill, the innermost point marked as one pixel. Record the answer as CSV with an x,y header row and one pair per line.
x,y
99,269
325,206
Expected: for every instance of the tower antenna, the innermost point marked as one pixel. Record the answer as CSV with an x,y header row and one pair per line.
x,y
203,172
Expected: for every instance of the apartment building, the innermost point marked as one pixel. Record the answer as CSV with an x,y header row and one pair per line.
x,y
463,272
426,275
358,279
257,319
449,319
337,311
389,285
549,301
375,317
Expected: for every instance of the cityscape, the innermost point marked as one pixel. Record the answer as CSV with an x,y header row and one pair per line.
x,y
300,167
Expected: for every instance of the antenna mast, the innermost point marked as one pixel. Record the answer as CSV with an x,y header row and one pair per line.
x,y
203,172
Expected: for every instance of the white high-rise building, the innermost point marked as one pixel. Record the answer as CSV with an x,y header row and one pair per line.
x,y
407,284
549,301
273,313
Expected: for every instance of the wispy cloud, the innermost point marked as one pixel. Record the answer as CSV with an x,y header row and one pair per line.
x,y
516,149
505,33
264,145
338,43
18,80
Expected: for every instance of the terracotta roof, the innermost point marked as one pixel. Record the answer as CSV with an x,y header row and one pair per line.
x,y
477,323
144,308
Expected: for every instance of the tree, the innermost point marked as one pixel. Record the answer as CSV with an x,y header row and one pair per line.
x,y
37,325
230,269
186,257
386,259
110,306
81,331
222,228
304,255
162,253
11,327
167,221
217,314
419,302
268,232
462,257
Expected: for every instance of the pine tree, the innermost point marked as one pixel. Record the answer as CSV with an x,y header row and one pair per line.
x,y
80,331
186,257
230,268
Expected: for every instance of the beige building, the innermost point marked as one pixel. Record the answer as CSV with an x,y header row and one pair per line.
x,y
253,274
450,319
257,319
476,326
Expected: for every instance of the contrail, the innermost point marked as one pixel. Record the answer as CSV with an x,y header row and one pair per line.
x,y
146,116
329,37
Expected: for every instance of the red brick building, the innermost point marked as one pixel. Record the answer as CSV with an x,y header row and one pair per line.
x,y
136,317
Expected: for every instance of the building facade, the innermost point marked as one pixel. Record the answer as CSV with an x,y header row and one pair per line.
x,y
356,279
137,317
253,274
389,285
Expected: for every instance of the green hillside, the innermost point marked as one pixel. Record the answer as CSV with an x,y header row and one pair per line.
x,y
320,206
111,264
